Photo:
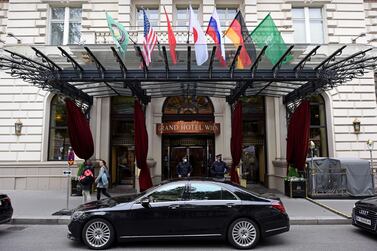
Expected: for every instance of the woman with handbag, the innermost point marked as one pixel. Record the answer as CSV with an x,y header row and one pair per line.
x,y
103,180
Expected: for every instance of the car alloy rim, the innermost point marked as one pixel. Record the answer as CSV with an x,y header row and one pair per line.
x,y
98,234
244,233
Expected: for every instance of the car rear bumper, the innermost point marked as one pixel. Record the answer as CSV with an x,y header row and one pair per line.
x,y
6,216
280,225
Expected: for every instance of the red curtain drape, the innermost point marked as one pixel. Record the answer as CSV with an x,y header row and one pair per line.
x,y
141,147
298,136
236,141
79,131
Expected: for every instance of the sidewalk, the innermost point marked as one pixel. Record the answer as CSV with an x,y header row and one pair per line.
x,y
37,207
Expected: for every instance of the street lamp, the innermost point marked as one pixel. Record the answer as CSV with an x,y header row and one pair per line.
x,y
312,147
370,146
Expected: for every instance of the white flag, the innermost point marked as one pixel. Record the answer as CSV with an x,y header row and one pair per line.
x,y
201,52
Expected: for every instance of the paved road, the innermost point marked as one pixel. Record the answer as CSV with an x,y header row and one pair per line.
x,y
316,237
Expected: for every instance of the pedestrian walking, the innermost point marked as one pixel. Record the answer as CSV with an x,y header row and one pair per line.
x,y
86,180
218,168
103,180
184,168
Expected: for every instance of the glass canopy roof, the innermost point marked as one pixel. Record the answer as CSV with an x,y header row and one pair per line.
x,y
84,72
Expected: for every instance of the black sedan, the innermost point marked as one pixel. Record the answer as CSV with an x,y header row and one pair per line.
x,y
6,210
180,209
364,214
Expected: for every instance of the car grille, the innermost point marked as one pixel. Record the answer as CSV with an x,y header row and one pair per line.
x,y
367,214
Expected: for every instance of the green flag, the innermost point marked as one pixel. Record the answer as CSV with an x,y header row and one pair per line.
x,y
120,35
266,33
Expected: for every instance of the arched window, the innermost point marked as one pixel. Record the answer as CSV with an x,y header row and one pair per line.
x,y
187,108
58,133
318,130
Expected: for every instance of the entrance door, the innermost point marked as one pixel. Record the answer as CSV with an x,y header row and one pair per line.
x,y
176,155
123,159
197,158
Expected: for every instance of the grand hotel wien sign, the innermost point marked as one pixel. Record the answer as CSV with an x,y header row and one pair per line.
x,y
188,127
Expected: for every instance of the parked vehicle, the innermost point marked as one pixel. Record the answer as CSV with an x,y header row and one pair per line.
x,y
364,214
180,209
6,210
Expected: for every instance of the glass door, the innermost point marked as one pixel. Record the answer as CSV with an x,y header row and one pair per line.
x,y
197,157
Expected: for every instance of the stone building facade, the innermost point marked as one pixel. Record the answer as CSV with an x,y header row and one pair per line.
x,y
26,161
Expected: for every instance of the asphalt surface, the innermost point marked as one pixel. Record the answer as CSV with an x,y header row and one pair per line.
x,y
309,237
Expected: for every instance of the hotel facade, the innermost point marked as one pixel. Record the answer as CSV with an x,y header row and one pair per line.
x,y
197,126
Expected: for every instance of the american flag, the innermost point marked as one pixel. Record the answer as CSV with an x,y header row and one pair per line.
x,y
150,39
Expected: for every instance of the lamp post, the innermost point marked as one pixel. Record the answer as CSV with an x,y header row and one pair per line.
x,y
370,146
312,147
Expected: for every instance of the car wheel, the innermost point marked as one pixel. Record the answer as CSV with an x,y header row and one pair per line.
x,y
243,233
98,234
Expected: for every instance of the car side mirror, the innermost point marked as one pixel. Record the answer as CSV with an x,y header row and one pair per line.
x,y
145,202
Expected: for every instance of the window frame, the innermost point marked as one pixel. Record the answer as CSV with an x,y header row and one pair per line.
x,y
307,19
225,23
197,10
147,9
66,22
49,157
322,105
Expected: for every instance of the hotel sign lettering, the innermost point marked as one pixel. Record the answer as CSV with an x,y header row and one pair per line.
x,y
188,127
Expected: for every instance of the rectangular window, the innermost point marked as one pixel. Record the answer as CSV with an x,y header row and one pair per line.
x,y
152,14
308,25
226,16
65,25
182,17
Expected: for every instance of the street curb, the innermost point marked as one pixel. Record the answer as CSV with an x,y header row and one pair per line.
x,y
40,221
64,220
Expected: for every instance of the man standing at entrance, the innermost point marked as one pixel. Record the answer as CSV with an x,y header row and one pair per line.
x,y
184,168
218,168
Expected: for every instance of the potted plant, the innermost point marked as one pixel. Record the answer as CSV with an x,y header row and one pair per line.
x,y
294,184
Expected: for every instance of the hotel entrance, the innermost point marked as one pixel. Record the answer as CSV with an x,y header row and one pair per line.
x,y
198,149
187,129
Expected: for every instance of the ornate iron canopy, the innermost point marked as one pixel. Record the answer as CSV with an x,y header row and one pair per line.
x,y
84,72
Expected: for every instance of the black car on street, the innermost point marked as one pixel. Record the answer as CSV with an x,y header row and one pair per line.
x,y
6,210
364,214
180,209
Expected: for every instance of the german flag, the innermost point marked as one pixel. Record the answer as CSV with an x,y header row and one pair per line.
x,y
239,35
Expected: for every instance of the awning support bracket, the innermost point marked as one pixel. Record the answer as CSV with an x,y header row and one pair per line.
x,y
76,66
235,58
279,63
122,66
300,66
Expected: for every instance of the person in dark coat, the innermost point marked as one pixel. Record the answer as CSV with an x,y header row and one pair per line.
x,y
86,180
218,168
184,168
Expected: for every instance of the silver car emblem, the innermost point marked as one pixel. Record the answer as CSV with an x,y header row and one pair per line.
x,y
363,212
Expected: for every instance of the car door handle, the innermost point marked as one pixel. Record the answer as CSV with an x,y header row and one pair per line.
x,y
230,205
175,206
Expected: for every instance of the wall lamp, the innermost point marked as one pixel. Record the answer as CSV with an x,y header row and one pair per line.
x,y
18,127
12,35
356,126
359,36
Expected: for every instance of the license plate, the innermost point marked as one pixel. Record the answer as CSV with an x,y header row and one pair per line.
x,y
363,220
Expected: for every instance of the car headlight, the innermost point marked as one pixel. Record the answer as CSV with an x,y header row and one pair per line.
x,y
76,215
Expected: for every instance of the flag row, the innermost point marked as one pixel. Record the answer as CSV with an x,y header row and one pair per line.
x,y
266,33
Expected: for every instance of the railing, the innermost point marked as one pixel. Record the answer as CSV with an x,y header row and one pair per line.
x,y
136,34
326,182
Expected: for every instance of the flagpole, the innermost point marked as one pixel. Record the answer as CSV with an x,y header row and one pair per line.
x,y
188,31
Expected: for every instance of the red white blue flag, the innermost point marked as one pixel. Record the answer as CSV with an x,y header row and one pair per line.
x,y
214,31
150,40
